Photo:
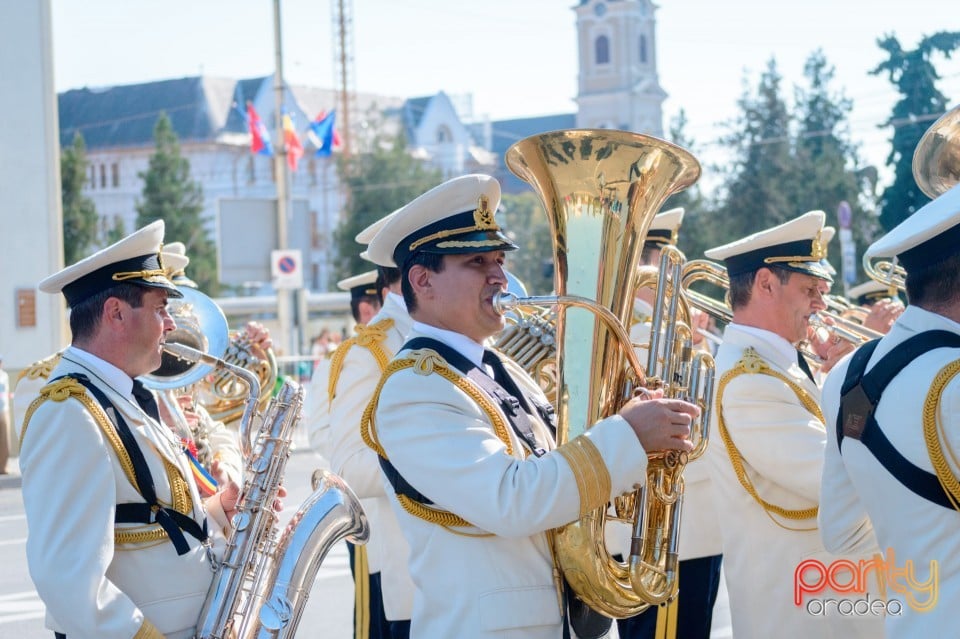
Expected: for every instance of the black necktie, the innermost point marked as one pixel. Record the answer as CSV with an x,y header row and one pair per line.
x,y
500,374
146,400
804,366
502,377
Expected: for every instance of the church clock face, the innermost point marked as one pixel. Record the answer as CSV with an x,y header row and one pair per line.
x,y
599,9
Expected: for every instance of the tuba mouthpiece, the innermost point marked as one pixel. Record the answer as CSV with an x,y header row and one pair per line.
x,y
504,301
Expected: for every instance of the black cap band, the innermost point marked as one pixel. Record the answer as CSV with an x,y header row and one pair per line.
x,y
458,233
801,256
144,270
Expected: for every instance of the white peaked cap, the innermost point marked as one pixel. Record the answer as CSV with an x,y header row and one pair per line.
x,y
796,245
135,259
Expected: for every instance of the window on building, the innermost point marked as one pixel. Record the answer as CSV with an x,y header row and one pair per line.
x,y
251,170
114,175
312,171
103,176
443,135
643,49
93,177
602,49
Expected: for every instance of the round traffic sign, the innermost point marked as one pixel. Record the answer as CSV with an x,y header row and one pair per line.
x,y
287,264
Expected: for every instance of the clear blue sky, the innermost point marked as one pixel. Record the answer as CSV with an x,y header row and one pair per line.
x,y
517,57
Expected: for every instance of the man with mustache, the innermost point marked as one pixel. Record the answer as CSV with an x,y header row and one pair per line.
x,y
464,438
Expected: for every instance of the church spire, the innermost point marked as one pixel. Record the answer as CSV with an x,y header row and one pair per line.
x,y
618,84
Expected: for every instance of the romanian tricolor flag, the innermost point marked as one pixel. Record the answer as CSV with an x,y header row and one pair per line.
x,y
205,481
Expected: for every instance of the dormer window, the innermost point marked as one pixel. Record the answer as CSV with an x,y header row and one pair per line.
x,y
602,49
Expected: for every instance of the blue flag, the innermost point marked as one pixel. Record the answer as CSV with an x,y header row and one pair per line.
x,y
323,134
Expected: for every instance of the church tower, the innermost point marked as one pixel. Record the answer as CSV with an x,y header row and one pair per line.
x,y
618,85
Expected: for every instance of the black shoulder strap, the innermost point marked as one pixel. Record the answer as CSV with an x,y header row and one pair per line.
x,y
512,401
511,407
860,395
150,511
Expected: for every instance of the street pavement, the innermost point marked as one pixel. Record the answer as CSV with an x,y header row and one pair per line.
x,y
328,612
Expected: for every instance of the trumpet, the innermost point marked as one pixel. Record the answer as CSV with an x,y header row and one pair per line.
x,y
832,320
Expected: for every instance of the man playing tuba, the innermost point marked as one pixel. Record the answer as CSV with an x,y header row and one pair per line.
x,y
476,480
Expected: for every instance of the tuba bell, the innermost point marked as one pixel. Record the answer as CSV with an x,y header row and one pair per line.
x,y
936,160
601,189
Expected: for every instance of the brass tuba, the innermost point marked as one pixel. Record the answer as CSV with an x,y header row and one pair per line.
x,y
601,189
936,160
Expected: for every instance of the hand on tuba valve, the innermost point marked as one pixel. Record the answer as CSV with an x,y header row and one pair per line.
x,y
661,425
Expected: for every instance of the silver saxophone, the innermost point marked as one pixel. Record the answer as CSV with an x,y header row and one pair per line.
x,y
263,581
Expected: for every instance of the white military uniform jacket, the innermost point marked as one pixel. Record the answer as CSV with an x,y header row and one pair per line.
x,y
858,491
495,579
358,465
781,444
223,442
72,480
699,528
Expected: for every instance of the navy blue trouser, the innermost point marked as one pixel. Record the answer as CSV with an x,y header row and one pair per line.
x,y
699,582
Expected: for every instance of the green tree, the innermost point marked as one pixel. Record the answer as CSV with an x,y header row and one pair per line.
x,y
378,180
754,196
171,195
525,222
915,77
79,212
828,168
699,230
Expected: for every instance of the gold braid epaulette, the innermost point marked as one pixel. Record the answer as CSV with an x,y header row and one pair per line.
x,y
426,362
933,434
370,337
39,370
66,388
752,364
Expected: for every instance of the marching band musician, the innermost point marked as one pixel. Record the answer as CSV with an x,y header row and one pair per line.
x,y
767,435
883,306
699,544
475,478
255,339
355,370
893,410
120,540
212,444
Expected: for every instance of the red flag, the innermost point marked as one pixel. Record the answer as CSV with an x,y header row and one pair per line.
x,y
290,139
259,136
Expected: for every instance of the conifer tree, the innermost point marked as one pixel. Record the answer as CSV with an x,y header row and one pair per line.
x,y
753,196
828,168
699,230
915,77
79,212
170,194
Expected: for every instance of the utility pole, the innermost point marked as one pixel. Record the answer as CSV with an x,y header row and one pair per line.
x,y
284,301
343,65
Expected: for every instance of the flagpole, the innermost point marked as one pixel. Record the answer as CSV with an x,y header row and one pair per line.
x,y
284,304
